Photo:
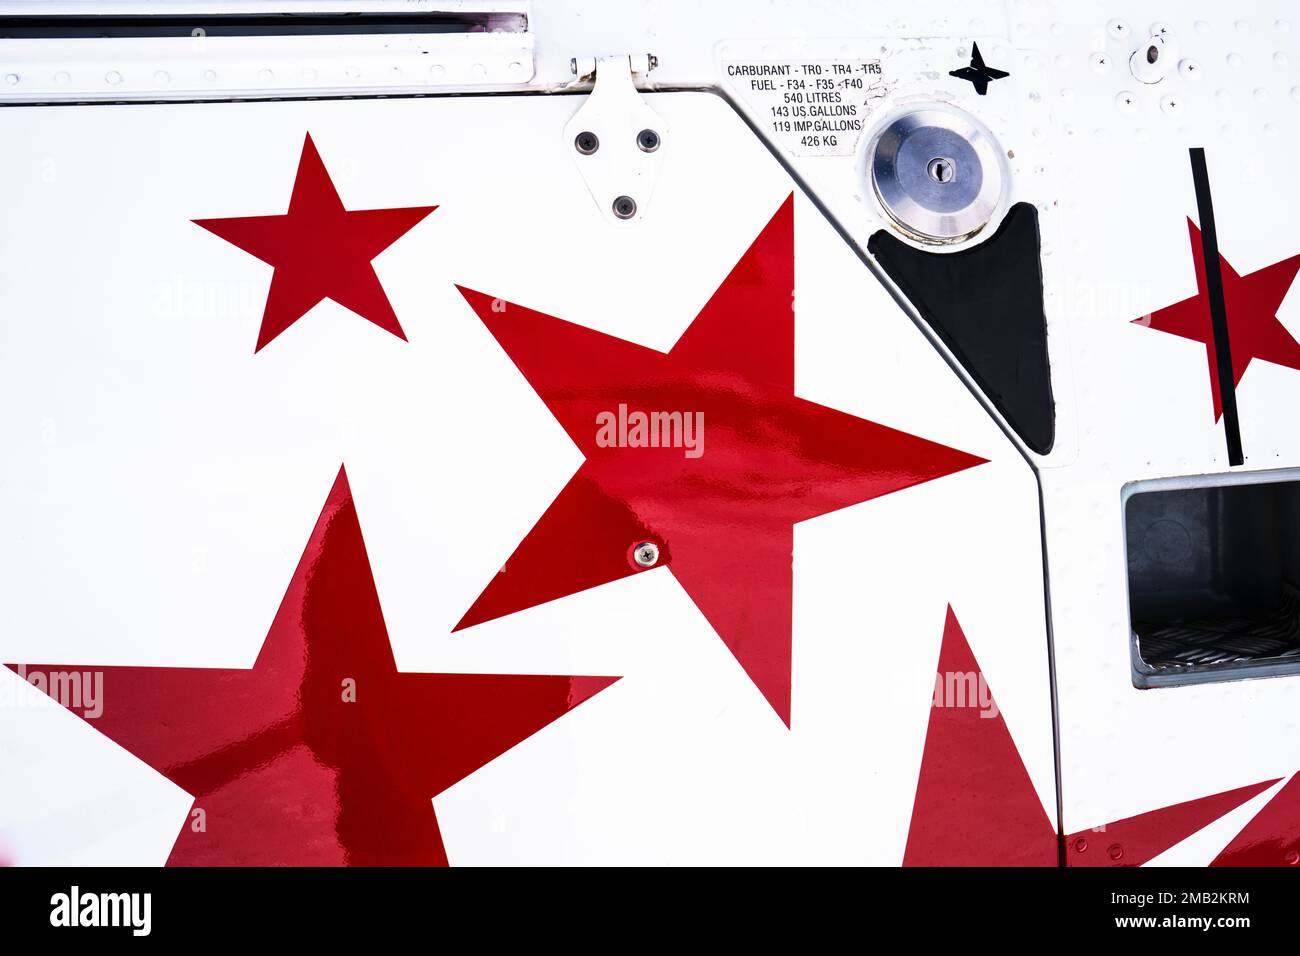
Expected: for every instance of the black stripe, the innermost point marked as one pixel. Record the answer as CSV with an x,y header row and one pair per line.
x,y
243,25
1218,311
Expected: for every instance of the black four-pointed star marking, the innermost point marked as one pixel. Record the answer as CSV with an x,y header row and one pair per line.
x,y
979,74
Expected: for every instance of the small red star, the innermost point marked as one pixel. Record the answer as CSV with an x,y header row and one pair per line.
x,y
1251,303
722,514
323,753
320,250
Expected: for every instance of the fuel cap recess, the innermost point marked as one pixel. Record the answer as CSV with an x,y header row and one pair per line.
x,y
938,173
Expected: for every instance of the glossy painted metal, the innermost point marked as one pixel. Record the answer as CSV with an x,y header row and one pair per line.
x,y
323,753
320,250
1141,838
210,460
975,804
721,504
1272,837
1252,302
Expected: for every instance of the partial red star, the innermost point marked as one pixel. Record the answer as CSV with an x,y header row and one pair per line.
x,y
1138,839
1251,303
323,753
723,520
975,804
320,250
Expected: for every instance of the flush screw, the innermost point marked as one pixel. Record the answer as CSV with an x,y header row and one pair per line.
x,y
625,207
586,143
646,554
647,140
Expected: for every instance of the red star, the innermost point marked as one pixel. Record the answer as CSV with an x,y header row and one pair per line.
x,y
975,804
1272,837
320,250
723,521
1251,303
1138,839
287,770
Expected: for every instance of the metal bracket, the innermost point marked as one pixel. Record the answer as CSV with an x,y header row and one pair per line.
x,y
617,140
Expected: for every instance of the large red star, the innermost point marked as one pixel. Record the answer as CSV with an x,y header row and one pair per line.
x,y
323,753
1251,303
320,250
722,515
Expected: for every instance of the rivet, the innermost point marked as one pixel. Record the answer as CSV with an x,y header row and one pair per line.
x,y
1116,852
1080,845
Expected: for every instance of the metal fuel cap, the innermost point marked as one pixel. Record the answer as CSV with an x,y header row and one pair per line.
x,y
938,173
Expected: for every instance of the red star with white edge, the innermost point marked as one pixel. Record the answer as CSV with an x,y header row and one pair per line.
x,y
320,250
718,502
1251,303
323,753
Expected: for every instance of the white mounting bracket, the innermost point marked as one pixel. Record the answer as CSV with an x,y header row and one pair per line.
x,y
616,139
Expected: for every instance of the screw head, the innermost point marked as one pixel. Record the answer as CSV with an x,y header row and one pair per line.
x,y
1080,845
1116,852
625,207
646,554
586,142
647,140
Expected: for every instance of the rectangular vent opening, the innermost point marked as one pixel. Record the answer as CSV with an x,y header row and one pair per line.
x,y
1213,578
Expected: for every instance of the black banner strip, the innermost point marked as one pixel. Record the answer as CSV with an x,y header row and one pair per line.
x,y
1218,311
68,26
